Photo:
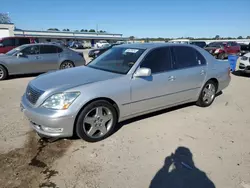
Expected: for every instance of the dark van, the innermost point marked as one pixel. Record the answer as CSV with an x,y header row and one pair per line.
x,y
8,43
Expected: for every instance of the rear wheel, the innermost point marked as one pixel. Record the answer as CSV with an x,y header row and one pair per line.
x,y
207,94
96,121
3,73
66,65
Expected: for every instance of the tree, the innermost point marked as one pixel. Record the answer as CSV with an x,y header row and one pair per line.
x,y
131,38
240,37
53,29
248,37
76,31
4,18
66,30
82,30
102,31
91,30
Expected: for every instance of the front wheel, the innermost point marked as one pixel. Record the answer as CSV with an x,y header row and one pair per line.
x,y
66,65
207,94
96,121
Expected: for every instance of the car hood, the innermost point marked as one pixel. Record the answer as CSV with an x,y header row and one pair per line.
x,y
70,78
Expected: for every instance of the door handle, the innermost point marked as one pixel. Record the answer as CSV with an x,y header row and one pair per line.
x,y
203,72
171,78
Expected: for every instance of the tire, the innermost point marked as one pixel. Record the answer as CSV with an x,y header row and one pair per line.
x,y
3,73
67,64
205,101
102,124
221,56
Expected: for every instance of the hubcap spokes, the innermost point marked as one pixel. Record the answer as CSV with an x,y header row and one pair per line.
x,y
1,73
209,93
98,122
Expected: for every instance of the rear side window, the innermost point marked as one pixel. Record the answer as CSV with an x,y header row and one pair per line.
x,y
8,42
158,60
185,57
200,58
48,49
21,41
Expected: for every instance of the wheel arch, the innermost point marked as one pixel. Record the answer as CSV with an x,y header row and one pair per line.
x,y
97,99
4,66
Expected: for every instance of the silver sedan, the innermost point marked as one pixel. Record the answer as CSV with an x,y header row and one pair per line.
x,y
38,58
124,82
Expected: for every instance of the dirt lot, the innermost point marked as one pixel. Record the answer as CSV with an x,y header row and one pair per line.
x,y
210,146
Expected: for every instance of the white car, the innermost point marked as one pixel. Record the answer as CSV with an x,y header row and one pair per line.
x,y
101,44
245,63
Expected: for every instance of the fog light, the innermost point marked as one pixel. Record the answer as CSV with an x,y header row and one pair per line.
x,y
53,130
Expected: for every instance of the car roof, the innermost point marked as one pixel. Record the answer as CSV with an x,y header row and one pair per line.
x,y
38,44
148,45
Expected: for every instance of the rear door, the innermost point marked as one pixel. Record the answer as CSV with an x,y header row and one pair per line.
x,y
49,56
189,72
8,44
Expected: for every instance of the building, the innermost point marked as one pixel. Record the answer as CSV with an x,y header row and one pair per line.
x,y
7,30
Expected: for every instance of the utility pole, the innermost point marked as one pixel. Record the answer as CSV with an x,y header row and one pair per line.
x,y
97,28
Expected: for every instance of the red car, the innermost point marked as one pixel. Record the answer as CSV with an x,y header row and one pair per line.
x,y
8,43
221,50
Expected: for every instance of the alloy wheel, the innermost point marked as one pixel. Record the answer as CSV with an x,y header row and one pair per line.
x,y
209,93
98,122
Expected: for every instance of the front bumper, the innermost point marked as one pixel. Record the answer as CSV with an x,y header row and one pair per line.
x,y
51,123
244,68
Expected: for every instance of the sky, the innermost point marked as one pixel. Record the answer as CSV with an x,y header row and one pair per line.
x,y
139,18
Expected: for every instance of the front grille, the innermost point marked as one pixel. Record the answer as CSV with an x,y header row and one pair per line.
x,y
33,94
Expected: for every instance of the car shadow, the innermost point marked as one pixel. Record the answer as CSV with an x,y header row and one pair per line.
x,y
179,171
12,77
156,113
239,73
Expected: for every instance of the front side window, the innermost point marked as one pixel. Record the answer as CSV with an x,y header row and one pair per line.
x,y
48,49
31,50
21,41
117,60
9,42
158,60
185,57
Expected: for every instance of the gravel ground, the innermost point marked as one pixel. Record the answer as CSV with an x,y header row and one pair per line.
x,y
209,147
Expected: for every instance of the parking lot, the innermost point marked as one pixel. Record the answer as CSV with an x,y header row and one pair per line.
x,y
217,137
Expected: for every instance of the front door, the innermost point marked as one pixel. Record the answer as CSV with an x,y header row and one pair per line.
x,y
153,92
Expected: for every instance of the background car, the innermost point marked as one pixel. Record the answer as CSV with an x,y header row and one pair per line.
x,y
244,65
76,45
201,44
129,81
101,43
96,52
8,43
221,50
38,58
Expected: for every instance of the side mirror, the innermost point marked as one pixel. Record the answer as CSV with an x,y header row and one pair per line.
x,y
20,54
1,44
143,72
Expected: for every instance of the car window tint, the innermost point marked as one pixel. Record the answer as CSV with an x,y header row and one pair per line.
x,y
59,50
184,57
200,58
21,41
31,50
48,49
158,60
9,42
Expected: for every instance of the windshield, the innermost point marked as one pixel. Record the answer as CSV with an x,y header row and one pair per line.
x,y
117,60
13,51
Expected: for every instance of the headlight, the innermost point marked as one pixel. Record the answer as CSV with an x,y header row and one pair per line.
x,y
60,101
96,52
217,51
